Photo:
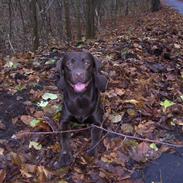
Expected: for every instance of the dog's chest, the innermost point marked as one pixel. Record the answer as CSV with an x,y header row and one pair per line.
x,y
81,107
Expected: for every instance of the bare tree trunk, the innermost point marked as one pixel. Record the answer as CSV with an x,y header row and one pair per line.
x,y
126,8
155,5
10,19
44,27
60,17
90,19
23,22
99,13
33,4
78,20
67,20
114,13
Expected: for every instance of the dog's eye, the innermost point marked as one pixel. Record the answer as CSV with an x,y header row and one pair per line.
x,y
69,64
87,63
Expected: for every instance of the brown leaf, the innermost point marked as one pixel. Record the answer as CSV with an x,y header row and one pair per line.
x,y
43,174
115,118
55,148
1,151
132,113
17,159
119,91
26,119
108,158
25,174
145,129
127,128
2,175
38,114
139,154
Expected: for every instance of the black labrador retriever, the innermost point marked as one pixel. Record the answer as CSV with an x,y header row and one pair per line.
x,y
81,81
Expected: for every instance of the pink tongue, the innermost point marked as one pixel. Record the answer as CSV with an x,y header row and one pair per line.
x,y
79,87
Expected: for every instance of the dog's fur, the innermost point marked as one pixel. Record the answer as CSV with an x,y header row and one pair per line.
x,y
81,81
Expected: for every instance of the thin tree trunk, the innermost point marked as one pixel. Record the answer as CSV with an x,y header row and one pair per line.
x,y
35,24
10,19
67,20
60,18
23,22
44,27
126,8
155,5
116,12
78,20
90,19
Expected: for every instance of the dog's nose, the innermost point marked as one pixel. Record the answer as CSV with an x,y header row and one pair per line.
x,y
79,75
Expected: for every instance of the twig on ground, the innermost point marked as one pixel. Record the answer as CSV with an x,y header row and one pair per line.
x,y
102,138
22,134
137,138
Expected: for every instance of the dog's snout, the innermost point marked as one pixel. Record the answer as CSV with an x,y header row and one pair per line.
x,y
79,75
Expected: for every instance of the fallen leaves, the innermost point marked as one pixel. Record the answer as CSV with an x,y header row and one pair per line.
x,y
166,104
42,103
2,175
35,145
115,118
50,96
131,101
1,151
127,128
144,65
154,147
35,122
145,129
140,153
26,119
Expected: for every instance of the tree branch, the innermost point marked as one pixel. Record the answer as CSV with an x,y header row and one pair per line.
x,y
22,134
137,138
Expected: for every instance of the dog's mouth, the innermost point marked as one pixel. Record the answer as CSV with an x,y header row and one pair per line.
x,y
80,87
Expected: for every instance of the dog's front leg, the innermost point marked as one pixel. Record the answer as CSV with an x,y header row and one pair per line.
x,y
95,135
65,154
95,140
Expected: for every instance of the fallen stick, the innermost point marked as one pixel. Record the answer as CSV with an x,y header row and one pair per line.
x,y
22,134
137,138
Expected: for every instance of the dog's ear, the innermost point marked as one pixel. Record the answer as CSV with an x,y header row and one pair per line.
x,y
60,74
100,80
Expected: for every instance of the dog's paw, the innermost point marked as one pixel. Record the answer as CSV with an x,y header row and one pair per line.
x,y
65,160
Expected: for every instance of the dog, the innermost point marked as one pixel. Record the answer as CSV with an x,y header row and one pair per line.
x,y
81,82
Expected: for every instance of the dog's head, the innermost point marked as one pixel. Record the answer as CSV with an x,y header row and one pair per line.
x,y
78,70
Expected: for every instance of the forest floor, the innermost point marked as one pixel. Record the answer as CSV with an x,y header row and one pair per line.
x,y
143,59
